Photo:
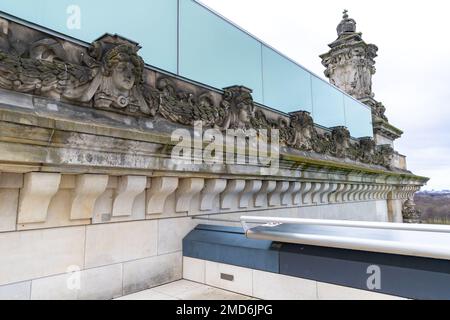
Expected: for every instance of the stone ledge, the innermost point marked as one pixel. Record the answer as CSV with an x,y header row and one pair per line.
x,y
20,138
91,199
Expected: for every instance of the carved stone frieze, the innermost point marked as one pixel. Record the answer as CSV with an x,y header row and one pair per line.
x,y
110,75
302,131
185,108
239,107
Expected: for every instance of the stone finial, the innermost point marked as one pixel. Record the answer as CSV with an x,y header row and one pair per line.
x,y
350,63
347,24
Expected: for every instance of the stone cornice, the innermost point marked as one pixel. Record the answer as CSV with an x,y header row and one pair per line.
x,y
81,146
107,88
384,128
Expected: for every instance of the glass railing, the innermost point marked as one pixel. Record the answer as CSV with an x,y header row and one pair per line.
x,y
185,38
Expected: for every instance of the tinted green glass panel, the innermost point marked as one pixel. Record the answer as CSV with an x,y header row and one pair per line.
x,y
328,104
185,37
152,23
287,87
358,118
214,52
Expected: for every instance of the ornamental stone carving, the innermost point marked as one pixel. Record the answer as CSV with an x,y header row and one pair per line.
x,y
110,75
350,63
410,213
379,111
367,150
341,141
302,127
186,109
119,84
239,106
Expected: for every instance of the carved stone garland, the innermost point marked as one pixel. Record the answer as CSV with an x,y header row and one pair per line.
x,y
110,76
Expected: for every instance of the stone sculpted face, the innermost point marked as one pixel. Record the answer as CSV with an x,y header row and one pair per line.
x,y
124,67
244,113
123,76
122,72
307,133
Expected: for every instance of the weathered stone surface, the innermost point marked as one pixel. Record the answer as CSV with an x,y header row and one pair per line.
x,y
187,190
213,188
292,196
252,187
35,254
35,197
11,180
261,198
161,188
350,65
151,272
89,188
130,187
9,200
104,206
87,126
275,196
230,196
171,233
58,214
111,76
410,213
103,283
119,242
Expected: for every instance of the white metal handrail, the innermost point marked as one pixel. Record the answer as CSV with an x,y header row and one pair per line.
x,y
245,220
430,241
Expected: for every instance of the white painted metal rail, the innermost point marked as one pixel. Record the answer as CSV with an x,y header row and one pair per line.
x,y
430,241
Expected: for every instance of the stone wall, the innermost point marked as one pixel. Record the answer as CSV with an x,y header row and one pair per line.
x,y
114,260
52,223
88,181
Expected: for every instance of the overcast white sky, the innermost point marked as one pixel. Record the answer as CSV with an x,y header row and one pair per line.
x,y
413,67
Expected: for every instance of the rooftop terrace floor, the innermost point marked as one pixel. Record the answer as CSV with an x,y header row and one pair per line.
x,y
185,290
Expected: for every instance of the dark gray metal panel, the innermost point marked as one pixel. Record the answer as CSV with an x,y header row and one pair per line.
x,y
403,276
217,245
